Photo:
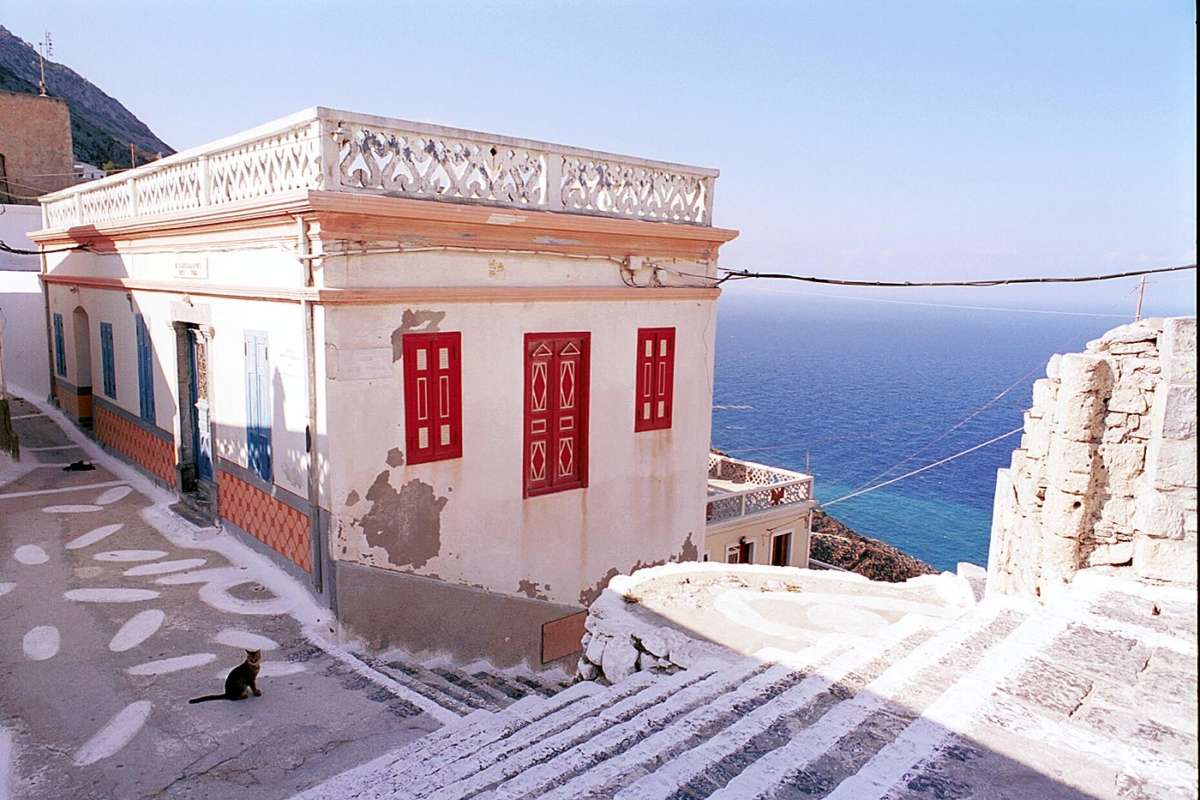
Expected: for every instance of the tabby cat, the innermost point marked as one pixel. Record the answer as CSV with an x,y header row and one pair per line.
x,y
240,683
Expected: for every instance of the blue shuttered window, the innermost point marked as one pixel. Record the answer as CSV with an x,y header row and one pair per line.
x,y
60,348
258,404
145,362
106,360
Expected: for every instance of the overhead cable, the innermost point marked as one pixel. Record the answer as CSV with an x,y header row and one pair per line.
x,y
738,274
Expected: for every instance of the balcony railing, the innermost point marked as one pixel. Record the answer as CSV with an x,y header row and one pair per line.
x,y
338,151
739,488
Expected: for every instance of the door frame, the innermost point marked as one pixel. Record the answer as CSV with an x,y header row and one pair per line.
x,y
190,484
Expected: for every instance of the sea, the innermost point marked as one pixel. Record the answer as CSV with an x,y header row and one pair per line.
x,y
858,392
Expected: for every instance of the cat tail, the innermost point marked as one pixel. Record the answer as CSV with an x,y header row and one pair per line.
x,y
206,698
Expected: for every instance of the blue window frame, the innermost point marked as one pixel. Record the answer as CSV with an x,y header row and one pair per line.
x,y
258,404
106,360
145,362
60,348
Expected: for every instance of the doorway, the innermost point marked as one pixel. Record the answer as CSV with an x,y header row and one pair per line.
x,y
83,366
197,484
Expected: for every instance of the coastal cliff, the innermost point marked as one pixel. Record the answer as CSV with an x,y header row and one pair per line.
x,y
834,543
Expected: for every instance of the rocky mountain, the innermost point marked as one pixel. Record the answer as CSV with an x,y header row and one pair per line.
x,y
836,544
102,128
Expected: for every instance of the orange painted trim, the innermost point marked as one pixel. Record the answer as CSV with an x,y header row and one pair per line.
x,y
529,294
418,223
386,295
270,294
430,223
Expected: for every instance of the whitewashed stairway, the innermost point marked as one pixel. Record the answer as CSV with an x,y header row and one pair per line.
x,y
831,721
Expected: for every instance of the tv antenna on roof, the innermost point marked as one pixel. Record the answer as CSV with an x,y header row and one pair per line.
x,y
45,50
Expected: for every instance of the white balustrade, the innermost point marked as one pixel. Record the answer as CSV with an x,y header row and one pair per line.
x,y
337,151
767,488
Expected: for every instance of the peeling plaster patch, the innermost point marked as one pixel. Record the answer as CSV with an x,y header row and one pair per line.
x,y
414,322
533,590
395,458
589,595
352,498
689,551
404,524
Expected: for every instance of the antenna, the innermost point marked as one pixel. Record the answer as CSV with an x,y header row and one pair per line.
x,y
1141,296
45,50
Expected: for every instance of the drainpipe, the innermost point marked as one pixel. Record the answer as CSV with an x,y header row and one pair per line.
x,y
310,351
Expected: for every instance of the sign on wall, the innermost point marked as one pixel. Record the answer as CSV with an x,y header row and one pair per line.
x,y
197,269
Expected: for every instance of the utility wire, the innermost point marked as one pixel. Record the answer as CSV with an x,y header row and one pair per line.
x,y
948,431
738,274
922,469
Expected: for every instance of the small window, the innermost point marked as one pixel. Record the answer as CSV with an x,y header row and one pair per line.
x,y
106,360
781,549
145,362
556,412
432,396
655,390
60,347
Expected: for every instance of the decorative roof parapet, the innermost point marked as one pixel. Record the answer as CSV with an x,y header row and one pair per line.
x,y
326,149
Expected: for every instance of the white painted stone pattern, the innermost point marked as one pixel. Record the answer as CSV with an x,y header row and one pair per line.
x,y
1106,470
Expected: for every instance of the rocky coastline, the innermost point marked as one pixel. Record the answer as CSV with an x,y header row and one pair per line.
x,y
836,544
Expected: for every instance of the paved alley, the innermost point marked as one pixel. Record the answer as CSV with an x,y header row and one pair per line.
x,y
113,612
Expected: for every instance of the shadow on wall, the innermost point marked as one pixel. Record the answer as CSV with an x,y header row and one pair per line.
x,y
23,334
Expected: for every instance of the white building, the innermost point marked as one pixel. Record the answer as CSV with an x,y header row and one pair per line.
x,y
458,380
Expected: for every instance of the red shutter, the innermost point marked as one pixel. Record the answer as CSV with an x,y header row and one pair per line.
x,y
432,396
655,387
556,411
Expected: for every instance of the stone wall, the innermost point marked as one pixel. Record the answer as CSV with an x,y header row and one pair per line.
x,y
35,140
1106,470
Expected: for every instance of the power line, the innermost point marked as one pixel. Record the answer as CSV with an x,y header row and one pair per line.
x,y
922,469
949,430
737,274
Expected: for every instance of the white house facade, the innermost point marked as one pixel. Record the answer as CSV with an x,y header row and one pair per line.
x,y
457,381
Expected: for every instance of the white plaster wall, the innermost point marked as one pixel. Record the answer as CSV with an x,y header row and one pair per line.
x,y
646,490
23,329
760,529
15,222
229,319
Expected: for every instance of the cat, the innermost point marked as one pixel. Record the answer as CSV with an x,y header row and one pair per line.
x,y
240,682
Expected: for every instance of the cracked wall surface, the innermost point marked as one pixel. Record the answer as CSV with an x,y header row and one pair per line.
x,y
1106,470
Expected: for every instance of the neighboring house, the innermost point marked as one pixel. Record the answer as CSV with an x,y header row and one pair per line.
x,y
22,307
456,380
86,172
35,146
757,514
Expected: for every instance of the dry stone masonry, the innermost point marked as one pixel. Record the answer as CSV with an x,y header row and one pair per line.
x,y
1106,470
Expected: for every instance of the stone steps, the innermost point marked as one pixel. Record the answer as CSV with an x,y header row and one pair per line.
x,y
462,691
906,714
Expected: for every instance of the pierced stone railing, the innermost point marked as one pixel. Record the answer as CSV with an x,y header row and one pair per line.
x,y
337,151
767,488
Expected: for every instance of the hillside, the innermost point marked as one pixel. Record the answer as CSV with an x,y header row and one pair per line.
x,y
102,129
836,544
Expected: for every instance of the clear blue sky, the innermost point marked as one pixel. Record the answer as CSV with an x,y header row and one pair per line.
x,y
911,140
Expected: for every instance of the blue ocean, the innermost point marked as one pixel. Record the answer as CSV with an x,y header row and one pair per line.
x,y
863,392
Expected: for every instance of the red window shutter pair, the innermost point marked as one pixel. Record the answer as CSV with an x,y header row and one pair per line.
x,y
432,396
655,379
556,411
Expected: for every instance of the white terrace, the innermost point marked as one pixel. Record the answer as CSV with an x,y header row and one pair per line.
x,y
330,150
739,489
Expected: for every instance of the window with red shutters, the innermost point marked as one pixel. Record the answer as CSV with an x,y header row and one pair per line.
x,y
655,379
432,396
556,411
